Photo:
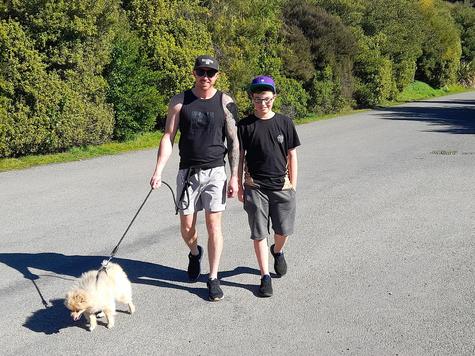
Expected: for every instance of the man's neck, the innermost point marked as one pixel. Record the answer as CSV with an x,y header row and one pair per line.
x,y
204,94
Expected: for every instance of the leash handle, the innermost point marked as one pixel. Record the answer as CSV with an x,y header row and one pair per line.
x,y
185,191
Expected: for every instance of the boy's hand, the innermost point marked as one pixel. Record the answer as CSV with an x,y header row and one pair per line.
x,y
241,194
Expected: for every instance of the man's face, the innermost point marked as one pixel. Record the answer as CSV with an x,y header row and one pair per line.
x,y
263,102
205,77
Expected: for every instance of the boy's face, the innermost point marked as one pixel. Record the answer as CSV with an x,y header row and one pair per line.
x,y
263,102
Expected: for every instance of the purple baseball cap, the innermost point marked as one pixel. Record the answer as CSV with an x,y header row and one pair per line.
x,y
262,83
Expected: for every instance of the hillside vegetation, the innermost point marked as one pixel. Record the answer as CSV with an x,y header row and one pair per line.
x,y
85,72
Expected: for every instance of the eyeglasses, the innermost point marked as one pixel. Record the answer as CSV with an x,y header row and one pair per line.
x,y
210,73
262,100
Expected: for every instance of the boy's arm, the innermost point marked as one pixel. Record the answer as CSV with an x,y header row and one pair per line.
x,y
240,176
292,166
166,143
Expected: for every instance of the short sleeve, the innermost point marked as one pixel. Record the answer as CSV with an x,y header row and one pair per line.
x,y
293,139
240,131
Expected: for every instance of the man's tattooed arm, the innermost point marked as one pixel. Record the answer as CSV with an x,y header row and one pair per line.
x,y
231,118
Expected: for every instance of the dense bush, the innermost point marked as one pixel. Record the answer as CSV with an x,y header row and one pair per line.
x,y
245,36
41,112
328,46
174,33
326,94
293,98
464,17
441,50
52,89
374,80
396,25
132,87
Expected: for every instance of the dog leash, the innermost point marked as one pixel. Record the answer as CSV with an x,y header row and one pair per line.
x,y
186,184
114,251
116,248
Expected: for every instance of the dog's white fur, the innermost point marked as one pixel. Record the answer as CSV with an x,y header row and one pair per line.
x,y
98,291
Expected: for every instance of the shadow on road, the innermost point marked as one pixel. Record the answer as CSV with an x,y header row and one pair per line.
x,y
458,116
55,316
50,320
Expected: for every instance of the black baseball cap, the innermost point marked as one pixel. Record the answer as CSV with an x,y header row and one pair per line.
x,y
206,62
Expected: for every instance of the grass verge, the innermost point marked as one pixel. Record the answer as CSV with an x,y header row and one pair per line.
x,y
420,90
147,140
415,91
313,118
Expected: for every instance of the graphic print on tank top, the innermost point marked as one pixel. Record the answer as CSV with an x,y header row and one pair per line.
x,y
201,121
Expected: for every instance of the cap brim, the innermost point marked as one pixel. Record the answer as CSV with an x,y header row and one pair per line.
x,y
208,66
261,87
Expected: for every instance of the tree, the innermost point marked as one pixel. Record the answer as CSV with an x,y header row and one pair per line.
x,y
397,23
174,34
464,16
132,88
330,45
52,58
246,41
442,50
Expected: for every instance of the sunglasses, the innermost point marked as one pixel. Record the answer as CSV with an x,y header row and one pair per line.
x,y
210,73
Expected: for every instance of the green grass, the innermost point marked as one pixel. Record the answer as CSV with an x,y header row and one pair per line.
x,y
147,140
313,117
419,90
415,91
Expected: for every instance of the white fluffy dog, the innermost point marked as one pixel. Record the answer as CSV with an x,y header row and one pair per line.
x,y
98,291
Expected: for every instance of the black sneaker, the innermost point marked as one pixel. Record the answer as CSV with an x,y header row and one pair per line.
x,y
194,265
280,266
265,289
215,292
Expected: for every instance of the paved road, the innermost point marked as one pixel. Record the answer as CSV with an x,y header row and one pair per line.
x,y
381,263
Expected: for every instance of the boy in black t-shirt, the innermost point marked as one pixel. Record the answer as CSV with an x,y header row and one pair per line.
x,y
268,165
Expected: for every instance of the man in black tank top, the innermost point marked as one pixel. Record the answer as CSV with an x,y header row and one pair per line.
x,y
202,131
206,119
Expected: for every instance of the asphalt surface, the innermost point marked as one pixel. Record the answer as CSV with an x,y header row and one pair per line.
x,y
381,262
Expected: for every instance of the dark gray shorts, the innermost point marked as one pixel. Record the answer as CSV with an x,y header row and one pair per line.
x,y
264,206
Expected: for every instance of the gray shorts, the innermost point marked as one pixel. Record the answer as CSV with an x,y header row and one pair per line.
x,y
263,206
206,190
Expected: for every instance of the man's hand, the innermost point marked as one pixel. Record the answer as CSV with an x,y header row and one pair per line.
x,y
232,187
156,181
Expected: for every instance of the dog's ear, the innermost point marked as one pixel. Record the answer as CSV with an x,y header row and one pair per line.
x,y
68,299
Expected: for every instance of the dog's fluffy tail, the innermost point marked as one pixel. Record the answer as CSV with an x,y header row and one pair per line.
x,y
114,267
